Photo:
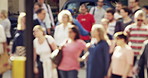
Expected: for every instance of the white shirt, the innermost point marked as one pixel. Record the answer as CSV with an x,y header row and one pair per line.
x,y
117,16
2,39
7,26
61,34
111,28
48,10
98,14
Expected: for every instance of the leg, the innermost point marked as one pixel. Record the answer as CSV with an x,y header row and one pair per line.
x,y
73,74
1,75
63,74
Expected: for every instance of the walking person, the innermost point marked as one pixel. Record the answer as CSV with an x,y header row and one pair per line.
x,y
2,40
74,46
6,24
98,59
41,48
122,58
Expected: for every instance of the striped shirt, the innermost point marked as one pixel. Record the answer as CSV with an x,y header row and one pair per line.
x,y
137,36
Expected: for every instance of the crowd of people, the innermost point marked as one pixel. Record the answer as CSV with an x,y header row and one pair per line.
x,y
113,43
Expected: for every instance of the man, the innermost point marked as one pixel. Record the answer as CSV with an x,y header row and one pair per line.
x,y
134,6
119,6
138,33
41,14
98,11
48,10
112,22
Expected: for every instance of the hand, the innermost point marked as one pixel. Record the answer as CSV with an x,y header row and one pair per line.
x,y
36,71
135,70
80,59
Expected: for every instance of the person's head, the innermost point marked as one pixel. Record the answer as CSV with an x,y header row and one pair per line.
x,y
3,14
65,17
98,31
145,9
110,14
105,23
38,31
83,9
41,1
139,17
74,33
41,13
21,23
121,38
119,6
100,3
37,6
133,3
124,12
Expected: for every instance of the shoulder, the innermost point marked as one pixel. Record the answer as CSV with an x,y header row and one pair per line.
x,y
80,41
48,37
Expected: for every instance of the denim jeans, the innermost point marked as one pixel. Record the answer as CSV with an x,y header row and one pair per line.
x,y
69,74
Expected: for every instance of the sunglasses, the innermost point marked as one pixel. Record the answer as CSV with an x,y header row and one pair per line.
x,y
140,20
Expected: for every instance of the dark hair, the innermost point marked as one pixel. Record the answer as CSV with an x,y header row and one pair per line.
x,y
85,5
110,10
119,3
146,7
137,0
121,35
76,31
38,4
126,9
39,10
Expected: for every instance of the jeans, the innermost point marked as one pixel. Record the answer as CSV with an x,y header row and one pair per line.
x,y
1,75
69,74
117,76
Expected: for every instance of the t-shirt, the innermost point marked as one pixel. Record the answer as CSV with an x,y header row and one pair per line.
x,y
120,59
71,53
111,28
87,21
43,50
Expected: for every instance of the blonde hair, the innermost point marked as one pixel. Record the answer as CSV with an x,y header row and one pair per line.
x,y
102,34
105,20
4,13
140,13
40,28
64,12
19,21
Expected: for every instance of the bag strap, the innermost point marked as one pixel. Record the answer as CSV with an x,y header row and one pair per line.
x,y
49,45
94,10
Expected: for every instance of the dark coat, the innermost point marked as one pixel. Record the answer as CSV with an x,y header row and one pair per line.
x,y
36,22
98,60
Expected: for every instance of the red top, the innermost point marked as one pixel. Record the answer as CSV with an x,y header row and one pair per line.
x,y
87,21
71,53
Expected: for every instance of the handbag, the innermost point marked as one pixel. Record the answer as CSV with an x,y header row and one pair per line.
x,y
4,61
20,51
56,56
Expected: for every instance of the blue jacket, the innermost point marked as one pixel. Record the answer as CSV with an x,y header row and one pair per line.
x,y
98,60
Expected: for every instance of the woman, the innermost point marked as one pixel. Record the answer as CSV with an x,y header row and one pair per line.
x,y
2,40
124,21
122,59
71,51
42,48
18,48
98,59
6,24
61,31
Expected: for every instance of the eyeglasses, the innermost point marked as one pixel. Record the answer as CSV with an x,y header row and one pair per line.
x,y
140,20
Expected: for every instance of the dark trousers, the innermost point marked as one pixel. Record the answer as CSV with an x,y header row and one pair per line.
x,y
40,68
1,75
69,74
117,76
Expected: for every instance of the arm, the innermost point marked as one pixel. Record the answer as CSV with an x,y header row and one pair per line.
x,y
2,35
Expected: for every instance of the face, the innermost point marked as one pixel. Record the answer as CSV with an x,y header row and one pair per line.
x,y
42,15
36,7
123,13
109,16
23,22
65,18
83,9
100,3
41,1
71,34
37,33
118,7
94,33
139,20
132,3
119,41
